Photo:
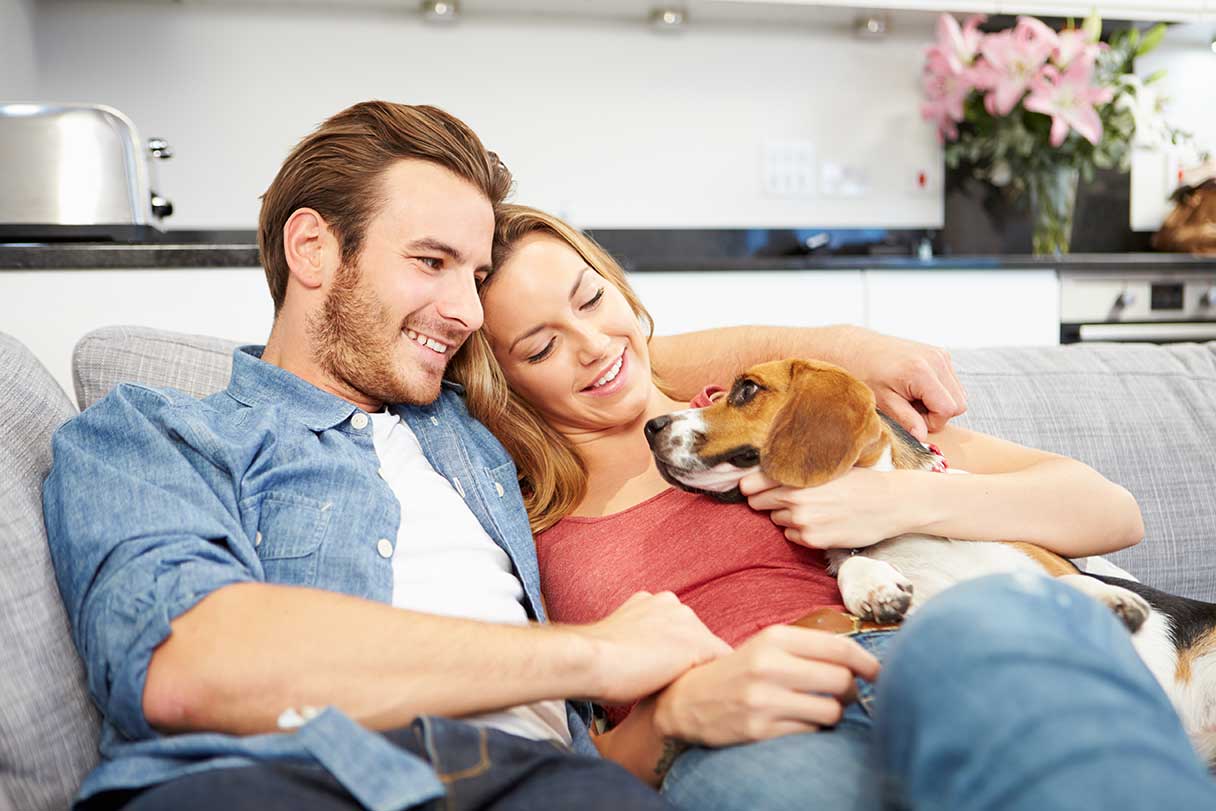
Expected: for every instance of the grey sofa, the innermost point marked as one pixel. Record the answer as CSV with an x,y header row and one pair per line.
x,y
1143,415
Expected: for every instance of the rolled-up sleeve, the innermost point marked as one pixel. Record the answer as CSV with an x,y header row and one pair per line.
x,y
142,522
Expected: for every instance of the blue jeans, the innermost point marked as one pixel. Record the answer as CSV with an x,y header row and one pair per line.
x,y
1006,692
480,768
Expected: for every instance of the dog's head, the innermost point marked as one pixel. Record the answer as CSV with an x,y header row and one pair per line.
x,y
801,422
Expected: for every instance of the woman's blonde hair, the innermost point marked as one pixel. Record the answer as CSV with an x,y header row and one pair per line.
x,y
552,476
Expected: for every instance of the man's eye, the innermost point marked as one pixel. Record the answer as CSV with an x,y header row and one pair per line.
x,y
432,262
541,355
594,300
744,392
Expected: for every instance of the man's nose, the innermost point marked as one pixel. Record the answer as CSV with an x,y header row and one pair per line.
x,y
653,427
461,303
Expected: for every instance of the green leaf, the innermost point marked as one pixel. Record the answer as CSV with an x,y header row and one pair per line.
x,y
1155,76
1152,38
1092,27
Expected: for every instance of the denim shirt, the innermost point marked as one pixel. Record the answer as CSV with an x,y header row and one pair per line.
x,y
156,499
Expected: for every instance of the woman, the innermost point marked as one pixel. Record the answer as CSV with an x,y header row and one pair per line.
x,y
561,374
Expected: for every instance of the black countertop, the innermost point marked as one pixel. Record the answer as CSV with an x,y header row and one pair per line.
x,y
168,256
638,250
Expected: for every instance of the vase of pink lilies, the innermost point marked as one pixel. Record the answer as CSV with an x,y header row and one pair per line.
x,y
1033,110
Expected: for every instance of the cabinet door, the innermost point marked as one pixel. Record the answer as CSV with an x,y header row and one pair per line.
x,y
50,310
966,308
684,301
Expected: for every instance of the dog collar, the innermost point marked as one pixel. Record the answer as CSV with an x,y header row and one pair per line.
x,y
940,465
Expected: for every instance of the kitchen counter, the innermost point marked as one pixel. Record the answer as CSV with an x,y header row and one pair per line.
x,y
170,255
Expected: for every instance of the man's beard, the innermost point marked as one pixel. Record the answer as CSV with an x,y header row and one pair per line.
x,y
354,340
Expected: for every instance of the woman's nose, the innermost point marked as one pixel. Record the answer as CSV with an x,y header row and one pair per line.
x,y
593,346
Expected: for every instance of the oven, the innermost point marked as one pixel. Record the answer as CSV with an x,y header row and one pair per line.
x,y
1156,306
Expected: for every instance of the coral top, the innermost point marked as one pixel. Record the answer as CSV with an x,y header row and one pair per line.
x,y
727,562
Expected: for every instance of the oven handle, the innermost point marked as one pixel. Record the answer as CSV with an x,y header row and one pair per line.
x,y
1148,332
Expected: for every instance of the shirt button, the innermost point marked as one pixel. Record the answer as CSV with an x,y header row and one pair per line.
x,y
434,420
385,547
381,472
459,487
257,539
498,489
359,421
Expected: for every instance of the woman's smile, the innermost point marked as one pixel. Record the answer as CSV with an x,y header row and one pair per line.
x,y
612,380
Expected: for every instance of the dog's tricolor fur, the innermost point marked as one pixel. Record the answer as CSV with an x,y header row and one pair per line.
x,y
804,423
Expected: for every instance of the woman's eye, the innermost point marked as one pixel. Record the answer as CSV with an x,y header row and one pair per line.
x,y
594,300
744,393
541,355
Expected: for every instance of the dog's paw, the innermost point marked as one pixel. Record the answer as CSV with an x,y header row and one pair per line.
x,y
886,602
1131,609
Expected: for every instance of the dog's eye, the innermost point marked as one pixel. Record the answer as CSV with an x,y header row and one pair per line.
x,y
744,391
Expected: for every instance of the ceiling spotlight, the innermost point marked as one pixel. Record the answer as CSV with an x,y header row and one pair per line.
x,y
440,11
668,18
872,26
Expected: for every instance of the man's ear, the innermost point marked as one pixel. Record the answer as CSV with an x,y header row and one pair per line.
x,y
310,247
822,430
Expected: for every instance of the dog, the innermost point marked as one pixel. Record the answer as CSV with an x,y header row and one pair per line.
x,y
804,423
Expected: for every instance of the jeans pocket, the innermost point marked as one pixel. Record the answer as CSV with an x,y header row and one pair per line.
x,y
457,750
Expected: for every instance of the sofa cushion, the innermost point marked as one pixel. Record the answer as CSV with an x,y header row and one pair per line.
x,y
196,364
48,725
1142,415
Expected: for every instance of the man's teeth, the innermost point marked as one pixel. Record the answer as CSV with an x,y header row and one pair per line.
x,y
611,375
429,343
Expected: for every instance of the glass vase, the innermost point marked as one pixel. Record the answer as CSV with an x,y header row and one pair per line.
x,y
1053,201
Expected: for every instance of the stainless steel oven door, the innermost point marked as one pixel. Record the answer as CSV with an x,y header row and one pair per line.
x,y
1158,332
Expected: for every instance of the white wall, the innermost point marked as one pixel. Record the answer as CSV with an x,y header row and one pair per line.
x,y
608,123
1187,56
17,69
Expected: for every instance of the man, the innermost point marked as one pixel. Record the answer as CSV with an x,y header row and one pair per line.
x,y
333,547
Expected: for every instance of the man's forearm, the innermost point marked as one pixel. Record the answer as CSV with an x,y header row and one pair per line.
x,y
688,362
248,652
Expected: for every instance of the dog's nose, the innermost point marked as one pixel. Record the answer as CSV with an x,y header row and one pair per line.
x,y
653,427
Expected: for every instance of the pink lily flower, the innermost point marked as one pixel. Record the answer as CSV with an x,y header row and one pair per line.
x,y
1011,60
1075,44
959,45
945,91
1069,99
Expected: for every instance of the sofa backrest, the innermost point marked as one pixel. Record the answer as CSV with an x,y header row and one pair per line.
x,y
1142,415
48,725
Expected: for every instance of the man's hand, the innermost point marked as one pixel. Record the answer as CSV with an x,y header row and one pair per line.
x,y
914,383
648,642
781,681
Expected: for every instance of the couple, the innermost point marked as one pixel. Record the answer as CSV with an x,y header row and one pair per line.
x,y
318,588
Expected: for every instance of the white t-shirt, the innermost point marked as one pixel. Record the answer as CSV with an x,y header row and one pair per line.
x,y
445,563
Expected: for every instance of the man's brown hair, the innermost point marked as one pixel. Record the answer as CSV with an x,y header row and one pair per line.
x,y
336,170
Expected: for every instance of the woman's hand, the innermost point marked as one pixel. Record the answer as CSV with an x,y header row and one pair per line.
x,y
860,508
913,382
781,681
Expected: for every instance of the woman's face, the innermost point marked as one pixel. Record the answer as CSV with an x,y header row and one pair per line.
x,y
566,338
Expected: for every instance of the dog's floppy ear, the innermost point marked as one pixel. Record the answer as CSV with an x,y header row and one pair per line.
x,y
827,422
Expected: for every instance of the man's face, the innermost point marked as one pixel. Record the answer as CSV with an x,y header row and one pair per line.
x,y
390,324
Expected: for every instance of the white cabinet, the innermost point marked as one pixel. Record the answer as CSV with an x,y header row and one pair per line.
x,y
692,300
952,308
966,308
49,310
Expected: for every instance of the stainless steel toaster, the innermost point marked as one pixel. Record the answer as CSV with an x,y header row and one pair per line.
x,y
77,171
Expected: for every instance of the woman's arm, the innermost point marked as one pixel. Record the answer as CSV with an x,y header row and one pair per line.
x,y
913,382
1015,494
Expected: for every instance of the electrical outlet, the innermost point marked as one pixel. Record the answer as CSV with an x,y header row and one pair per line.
x,y
788,169
844,180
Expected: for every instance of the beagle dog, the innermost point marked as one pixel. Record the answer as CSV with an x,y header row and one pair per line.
x,y
804,423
